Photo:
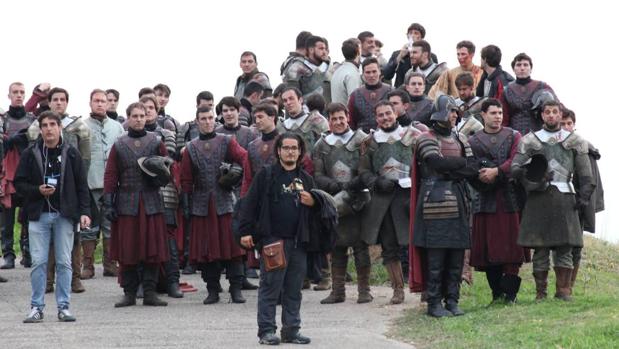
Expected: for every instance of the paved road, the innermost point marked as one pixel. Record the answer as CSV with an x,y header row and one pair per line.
x,y
223,325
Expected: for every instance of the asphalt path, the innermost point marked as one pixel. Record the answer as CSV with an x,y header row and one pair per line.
x,y
186,322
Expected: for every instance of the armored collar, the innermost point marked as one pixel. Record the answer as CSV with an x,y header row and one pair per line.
x,y
381,136
333,139
293,124
552,137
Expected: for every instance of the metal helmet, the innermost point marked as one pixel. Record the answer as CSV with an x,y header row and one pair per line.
x,y
540,97
536,168
441,108
157,168
230,175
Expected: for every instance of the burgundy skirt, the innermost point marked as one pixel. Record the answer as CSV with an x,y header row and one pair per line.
x,y
494,239
212,239
139,239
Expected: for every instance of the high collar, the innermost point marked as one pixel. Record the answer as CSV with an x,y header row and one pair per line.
x,y
112,115
269,136
438,128
424,67
373,87
231,128
207,136
98,117
136,134
416,98
524,81
151,127
17,112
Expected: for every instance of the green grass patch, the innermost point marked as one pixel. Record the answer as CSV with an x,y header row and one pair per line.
x,y
590,321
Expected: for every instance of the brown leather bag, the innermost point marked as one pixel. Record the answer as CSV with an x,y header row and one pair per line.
x,y
273,255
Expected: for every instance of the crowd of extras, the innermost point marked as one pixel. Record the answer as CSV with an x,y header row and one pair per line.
x,y
446,169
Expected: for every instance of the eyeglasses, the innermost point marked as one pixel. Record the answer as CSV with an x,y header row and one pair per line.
x,y
290,149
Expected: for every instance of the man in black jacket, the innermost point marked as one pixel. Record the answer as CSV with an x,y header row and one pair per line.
x,y
52,178
278,207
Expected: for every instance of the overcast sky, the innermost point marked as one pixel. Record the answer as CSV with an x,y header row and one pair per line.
x,y
193,46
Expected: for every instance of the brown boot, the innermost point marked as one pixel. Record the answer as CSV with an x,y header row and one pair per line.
x,y
467,272
51,270
76,266
338,293
541,284
110,268
363,285
573,276
88,261
397,281
324,283
564,277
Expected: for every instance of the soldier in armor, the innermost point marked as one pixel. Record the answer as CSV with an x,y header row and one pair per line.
x,y
308,126
441,222
400,101
170,196
249,66
14,125
162,93
446,83
104,132
384,168
230,110
420,107
596,204
496,207
336,158
363,100
308,73
469,104
189,130
260,150
112,104
494,79
517,100
253,94
422,63
76,133
134,204
209,202
230,107
546,163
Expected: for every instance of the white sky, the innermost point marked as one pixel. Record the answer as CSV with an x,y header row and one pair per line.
x,y
195,45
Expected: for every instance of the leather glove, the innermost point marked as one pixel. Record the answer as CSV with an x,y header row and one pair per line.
x,y
185,205
384,185
355,184
109,208
581,204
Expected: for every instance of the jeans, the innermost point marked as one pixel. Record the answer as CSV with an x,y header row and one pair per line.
x,y
51,227
286,282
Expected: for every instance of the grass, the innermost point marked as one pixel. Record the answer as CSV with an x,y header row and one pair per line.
x,y
590,321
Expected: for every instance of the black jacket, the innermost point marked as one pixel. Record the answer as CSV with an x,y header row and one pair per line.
x,y
74,194
255,215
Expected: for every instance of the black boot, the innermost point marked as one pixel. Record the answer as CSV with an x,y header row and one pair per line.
x,y
235,275
494,275
24,244
434,294
454,265
246,284
149,282
510,285
127,301
437,310
130,280
9,262
172,271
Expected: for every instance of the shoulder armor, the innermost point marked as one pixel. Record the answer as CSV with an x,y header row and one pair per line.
x,y
436,73
357,140
368,142
577,143
315,122
529,143
410,135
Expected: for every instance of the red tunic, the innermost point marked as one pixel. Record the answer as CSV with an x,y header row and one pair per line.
x,y
211,236
135,239
494,235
